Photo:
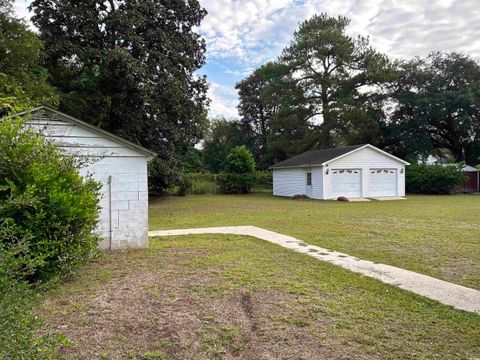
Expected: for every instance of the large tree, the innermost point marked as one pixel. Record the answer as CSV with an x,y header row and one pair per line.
x,y
129,67
436,103
272,107
336,72
258,104
23,80
222,136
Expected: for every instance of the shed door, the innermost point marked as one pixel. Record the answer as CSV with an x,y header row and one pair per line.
x,y
308,190
383,182
346,182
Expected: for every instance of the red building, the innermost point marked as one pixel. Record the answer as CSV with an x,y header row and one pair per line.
x,y
473,182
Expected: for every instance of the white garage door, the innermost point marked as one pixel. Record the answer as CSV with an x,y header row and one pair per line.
x,y
383,182
346,182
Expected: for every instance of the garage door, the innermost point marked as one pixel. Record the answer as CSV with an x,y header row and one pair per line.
x,y
383,182
346,182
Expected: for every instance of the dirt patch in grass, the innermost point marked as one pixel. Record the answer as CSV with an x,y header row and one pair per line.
x,y
179,314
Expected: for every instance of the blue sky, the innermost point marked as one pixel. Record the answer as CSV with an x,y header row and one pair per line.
x,y
243,34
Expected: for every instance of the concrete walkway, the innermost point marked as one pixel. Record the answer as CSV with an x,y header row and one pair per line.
x,y
459,297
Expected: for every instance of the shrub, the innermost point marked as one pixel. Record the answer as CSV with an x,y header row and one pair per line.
x,y
208,183
433,179
240,161
263,179
184,186
48,212
236,183
240,171
19,328
193,161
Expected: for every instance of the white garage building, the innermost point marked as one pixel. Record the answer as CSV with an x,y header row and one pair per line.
x,y
119,164
359,171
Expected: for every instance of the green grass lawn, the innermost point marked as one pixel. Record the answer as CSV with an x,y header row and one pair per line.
x,y
224,297
433,235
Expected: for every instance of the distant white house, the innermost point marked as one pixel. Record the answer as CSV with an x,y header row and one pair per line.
x,y
118,164
360,171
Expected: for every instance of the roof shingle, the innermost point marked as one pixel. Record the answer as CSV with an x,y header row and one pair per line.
x,y
316,157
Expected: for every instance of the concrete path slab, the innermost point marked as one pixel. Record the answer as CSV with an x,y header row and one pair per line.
x,y
458,296
389,198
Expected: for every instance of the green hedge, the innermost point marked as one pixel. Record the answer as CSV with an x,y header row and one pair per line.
x,y
208,183
434,179
239,177
264,179
45,205
48,213
19,327
20,336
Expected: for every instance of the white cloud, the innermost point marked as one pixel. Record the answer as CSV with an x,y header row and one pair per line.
x,y
21,9
254,31
251,32
247,33
224,101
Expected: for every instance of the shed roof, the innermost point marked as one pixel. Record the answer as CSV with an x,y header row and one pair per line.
x,y
469,168
465,168
322,157
103,133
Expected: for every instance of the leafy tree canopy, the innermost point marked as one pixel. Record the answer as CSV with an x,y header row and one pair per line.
x,y
223,135
129,67
239,177
270,103
437,105
325,90
240,161
23,80
193,161
335,71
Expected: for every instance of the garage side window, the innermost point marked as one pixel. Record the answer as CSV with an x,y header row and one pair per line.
x,y
309,179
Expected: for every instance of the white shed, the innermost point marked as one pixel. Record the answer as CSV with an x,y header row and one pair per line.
x,y
359,171
117,163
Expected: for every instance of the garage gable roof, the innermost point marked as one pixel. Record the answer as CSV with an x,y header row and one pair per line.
x,y
92,128
323,157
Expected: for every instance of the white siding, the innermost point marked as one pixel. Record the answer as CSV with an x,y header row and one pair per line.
x,y
128,211
289,182
129,206
79,141
317,182
366,159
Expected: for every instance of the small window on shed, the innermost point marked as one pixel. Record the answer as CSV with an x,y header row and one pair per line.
x,y
309,179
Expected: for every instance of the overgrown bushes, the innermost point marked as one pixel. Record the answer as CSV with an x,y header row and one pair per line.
x,y
433,179
201,183
239,177
263,179
19,335
208,183
45,205
47,216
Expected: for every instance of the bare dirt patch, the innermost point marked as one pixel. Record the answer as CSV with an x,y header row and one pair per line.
x,y
166,310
